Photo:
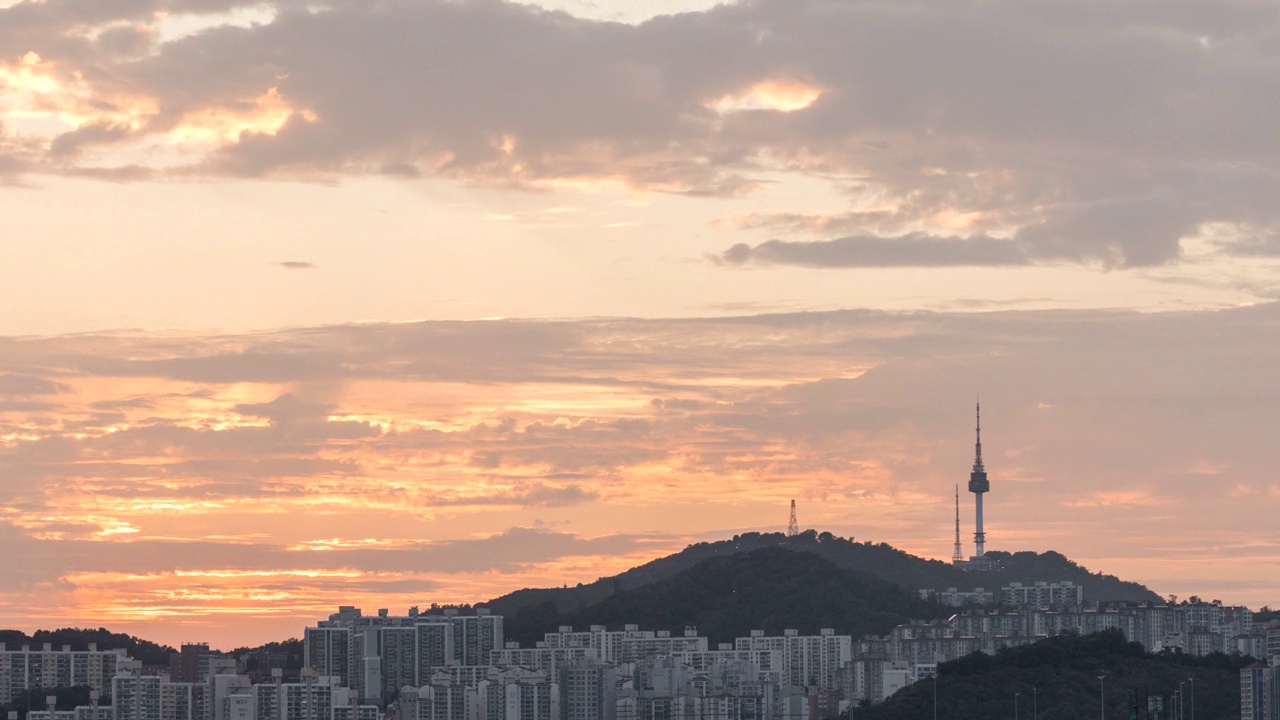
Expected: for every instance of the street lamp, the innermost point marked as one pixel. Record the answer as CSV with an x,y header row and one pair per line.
x,y
1035,704
1015,705
1193,697
935,692
1181,713
1102,697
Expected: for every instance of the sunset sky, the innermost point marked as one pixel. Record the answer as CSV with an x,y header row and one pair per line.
x,y
393,302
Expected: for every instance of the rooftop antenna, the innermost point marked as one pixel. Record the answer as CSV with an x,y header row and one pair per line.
x,y
957,557
793,527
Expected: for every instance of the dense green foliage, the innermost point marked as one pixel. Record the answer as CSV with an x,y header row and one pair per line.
x,y
879,559
1266,614
148,652
1057,679
290,651
769,589
68,698
79,638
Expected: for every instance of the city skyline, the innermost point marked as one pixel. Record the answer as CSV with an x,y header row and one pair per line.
x,y
428,301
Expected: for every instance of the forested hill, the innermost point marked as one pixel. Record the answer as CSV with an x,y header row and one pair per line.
x,y
879,559
79,639
768,589
148,652
1057,679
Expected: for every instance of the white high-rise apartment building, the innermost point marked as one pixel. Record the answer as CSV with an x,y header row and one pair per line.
x,y
315,698
807,660
398,652
89,712
55,715
136,697
221,688
588,691
327,650
434,647
1259,692
267,702
527,701
605,644
28,669
308,700
634,649
768,661
434,702
184,701
474,636
542,659
1042,594
238,706
385,652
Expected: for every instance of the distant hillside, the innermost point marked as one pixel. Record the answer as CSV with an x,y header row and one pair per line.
x,y
67,698
768,589
79,638
881,560
1060,676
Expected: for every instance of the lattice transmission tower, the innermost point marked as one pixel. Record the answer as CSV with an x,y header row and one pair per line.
x,y
793,527
957,556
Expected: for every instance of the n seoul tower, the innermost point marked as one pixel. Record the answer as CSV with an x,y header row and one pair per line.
x,y
978,485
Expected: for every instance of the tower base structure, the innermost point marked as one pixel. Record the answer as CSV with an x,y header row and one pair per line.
x,y
977,562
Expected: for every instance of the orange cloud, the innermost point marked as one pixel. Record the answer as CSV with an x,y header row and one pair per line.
x,y
1118,499
776,95
196,477
265,114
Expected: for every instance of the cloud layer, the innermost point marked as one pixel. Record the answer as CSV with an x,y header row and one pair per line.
x,y
198,478
1096,133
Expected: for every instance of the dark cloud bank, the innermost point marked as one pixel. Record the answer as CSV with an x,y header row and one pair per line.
x,y
1100,132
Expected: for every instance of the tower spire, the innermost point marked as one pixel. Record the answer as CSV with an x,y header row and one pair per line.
x,y
957,557
977,446
978,485
793,527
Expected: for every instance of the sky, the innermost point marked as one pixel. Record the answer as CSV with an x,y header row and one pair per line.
x,y
396,302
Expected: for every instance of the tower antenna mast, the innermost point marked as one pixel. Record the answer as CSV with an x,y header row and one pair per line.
x,y
793,527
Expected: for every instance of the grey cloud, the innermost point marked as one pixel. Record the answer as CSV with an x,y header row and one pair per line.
x,y
296,265
126,403
529,495
917,250
24,385
354,585
287,408
1170,369
265,364
128,41
1105,131
1265,243
589,445
507,550
72,142
1134,233
125,173
249,472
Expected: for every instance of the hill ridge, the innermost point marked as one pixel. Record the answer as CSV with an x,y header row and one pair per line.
x,y
726,597
878,559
